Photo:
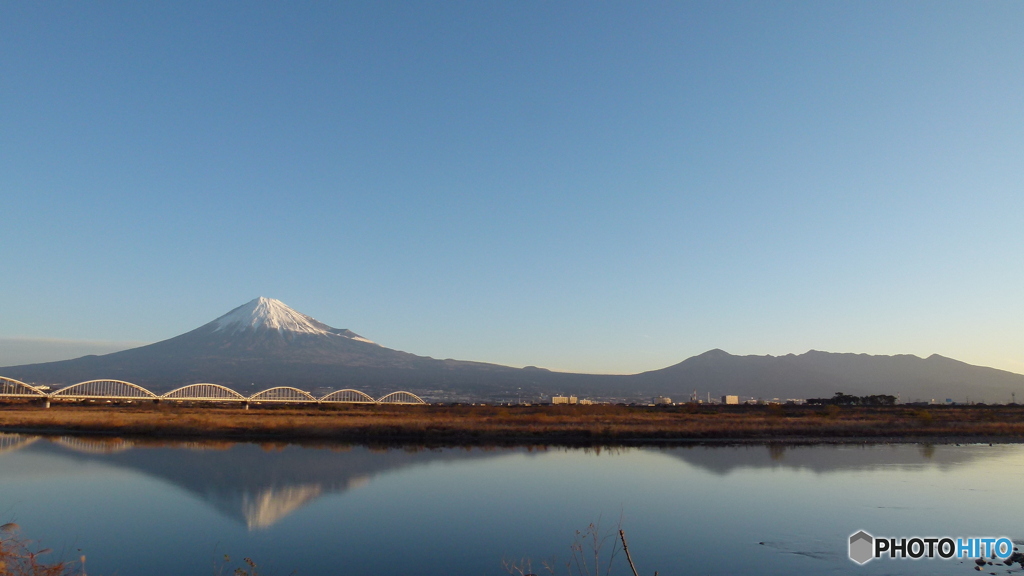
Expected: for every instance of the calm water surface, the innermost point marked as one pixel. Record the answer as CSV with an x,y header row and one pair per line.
x,y
175,509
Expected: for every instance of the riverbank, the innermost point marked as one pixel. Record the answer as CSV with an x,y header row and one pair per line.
x,y
502,425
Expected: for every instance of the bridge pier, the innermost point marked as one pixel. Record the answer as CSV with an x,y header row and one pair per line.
x,y
46,403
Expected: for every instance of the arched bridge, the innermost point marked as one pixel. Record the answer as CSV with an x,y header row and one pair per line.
x,y
400,397
204,392
207,392
349,397
10,388
103,390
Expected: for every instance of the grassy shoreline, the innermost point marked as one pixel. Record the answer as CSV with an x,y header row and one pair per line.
x,y
526,425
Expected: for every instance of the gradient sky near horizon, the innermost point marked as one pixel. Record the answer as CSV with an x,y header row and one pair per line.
x,y
598,187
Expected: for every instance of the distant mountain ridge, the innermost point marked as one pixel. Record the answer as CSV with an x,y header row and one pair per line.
x,y
817,374
265,343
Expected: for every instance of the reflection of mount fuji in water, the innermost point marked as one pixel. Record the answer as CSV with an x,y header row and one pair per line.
x,y
257,485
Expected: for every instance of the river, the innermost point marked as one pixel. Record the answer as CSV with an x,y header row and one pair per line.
x,y
136,508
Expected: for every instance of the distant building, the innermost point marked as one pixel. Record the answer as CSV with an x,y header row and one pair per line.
x,y
730,399
662,401
586,402
564,399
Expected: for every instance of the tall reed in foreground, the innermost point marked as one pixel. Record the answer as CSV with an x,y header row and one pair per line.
x,y
587,555
19,558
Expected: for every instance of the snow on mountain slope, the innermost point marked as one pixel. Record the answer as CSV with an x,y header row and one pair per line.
x,y
271,314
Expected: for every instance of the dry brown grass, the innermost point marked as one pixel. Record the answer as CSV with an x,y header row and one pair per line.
x,y
18,557
476,424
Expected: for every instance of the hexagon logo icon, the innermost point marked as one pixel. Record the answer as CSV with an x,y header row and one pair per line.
x,y
861,547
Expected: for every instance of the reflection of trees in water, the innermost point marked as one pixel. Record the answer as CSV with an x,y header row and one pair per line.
x,y
927,451
777,451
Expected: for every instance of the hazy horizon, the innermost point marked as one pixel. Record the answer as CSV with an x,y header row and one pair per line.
x,y
16,351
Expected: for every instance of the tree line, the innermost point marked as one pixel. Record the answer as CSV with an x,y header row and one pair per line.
x,y
841,399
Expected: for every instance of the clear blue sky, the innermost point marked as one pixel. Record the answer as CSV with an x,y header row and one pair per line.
x,y
602,187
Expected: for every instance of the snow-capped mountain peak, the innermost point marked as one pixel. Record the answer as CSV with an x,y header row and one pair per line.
x,y
271,314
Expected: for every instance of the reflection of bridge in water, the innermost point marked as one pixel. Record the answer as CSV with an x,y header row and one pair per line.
x,y
15,442
84,445
204,392
94,445
255,485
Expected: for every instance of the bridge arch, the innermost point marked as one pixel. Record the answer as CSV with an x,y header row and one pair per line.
x,y
400,397
205,392
105,390
11,388
284,394
349,396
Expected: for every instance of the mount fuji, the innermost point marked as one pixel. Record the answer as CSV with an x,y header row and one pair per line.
x,y
266,343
